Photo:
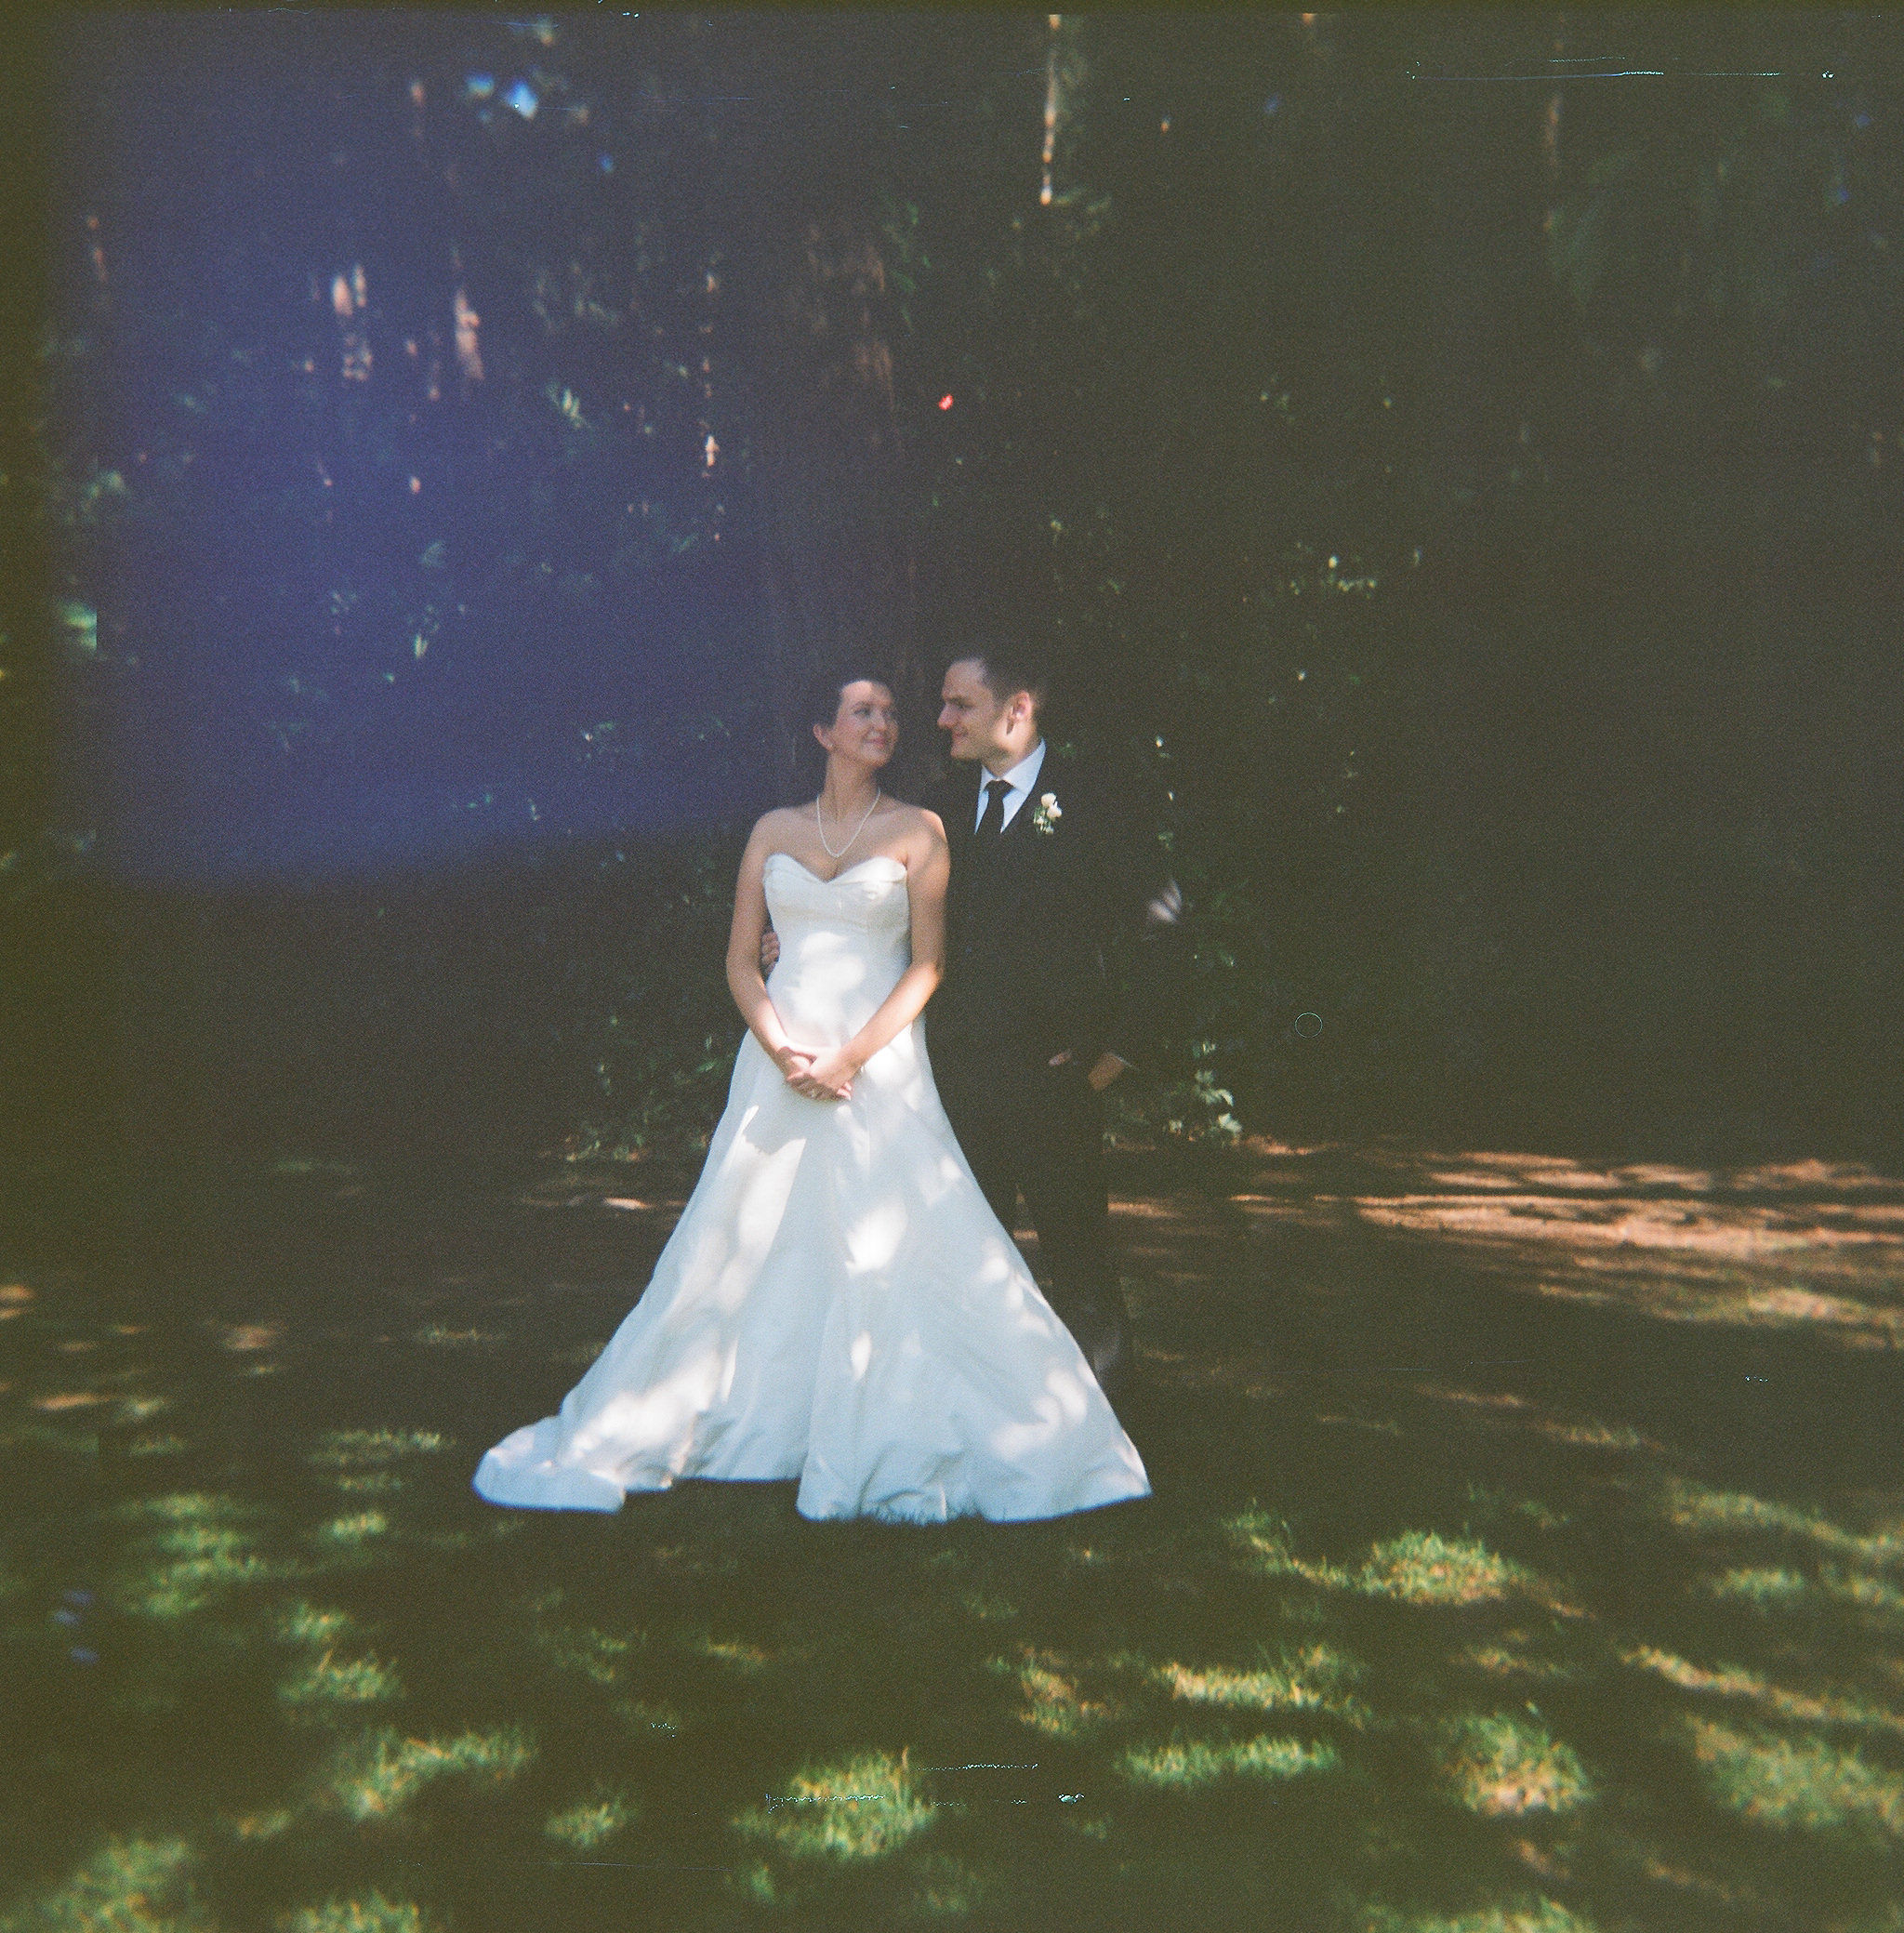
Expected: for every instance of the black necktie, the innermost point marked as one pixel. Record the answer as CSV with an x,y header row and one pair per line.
x,y
993,823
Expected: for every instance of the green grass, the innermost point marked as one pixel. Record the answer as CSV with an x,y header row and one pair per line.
x,y
1454,1650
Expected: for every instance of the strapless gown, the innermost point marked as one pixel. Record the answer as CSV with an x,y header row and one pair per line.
x,y
837,1304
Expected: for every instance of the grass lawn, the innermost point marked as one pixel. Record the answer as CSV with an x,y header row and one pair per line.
x,y
1527,1556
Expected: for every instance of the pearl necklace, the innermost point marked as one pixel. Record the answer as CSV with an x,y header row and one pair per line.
x,y
820,825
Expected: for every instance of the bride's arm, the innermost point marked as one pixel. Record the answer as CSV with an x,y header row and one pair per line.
x,y
928,872
744,981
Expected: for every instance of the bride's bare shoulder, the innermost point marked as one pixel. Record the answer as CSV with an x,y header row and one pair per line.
x,y
775,823
920,822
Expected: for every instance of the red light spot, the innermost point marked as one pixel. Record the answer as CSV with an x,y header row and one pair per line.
x,y
945,401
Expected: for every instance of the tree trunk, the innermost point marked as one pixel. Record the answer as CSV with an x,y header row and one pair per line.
x,y
825,458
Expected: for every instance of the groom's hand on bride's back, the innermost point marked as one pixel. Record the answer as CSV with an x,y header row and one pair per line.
x,y
770,951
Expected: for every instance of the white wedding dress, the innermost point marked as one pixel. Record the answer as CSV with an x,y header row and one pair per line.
x,y
837,1304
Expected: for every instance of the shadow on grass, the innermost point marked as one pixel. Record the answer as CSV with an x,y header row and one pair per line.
x,y
1527,1555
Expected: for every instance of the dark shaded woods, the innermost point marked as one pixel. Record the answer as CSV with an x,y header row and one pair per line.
x,y
1466,487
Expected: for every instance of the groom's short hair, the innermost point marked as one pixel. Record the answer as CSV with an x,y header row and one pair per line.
x,y
1007,667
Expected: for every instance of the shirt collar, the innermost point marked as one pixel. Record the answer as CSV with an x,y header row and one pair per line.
x,y
1023,775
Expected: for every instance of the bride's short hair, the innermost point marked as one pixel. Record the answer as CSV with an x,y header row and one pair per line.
x,y
828,686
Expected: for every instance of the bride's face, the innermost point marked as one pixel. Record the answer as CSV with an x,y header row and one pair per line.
x,y
866,726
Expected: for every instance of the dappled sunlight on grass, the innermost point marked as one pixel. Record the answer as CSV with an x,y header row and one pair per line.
x,y
1664,1240
1502,1767
1419,1567
202,1547
1512,1659
1399,1490
1689,1506
130,1886
1804,1784
1771,1588
586,1826
350,1533
257,1827
306,1624
377,1774
242,1338
948,1888
735,1654
373,1914
1422,1566
326,1683
864,1809
357,1450
1763,1587
1731,1681
1182,1766
1053,1702
1312,1680
597,1655
1526,1916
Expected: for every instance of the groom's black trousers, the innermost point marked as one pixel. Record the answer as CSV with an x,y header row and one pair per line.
x,y
1029,1127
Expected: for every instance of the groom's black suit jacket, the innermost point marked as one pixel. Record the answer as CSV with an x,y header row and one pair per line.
x,y
1054,939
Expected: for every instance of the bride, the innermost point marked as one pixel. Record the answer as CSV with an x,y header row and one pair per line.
x,y
837,1304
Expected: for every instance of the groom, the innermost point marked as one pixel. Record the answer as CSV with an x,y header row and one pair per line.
x,y
1049,868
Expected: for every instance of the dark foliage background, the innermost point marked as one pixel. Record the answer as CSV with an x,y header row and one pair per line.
x,y
1454,455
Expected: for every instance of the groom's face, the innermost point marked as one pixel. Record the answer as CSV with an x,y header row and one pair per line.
x,y
977,722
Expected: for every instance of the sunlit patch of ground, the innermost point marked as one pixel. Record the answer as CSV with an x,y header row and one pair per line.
x,y
1407,1477
864,1809
599,1656
244,1338
376,1775
1532,1917
192,1549
1776,1588
1513,1660
1313,1679
1181,1766
1053,1702
257,1827
1801,1784
1690,1506
595,1819
128,1886
1419,1567
348,1532
1422,1566
1813,1244
437,1337
736,1654
354,1450
373,1914
328,1684
1502,1766
1732,1682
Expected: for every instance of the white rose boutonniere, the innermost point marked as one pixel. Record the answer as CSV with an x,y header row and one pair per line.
x,y
1044,819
